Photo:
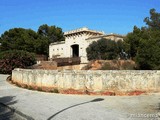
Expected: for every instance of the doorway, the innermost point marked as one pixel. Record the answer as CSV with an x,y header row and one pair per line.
x,y
75,50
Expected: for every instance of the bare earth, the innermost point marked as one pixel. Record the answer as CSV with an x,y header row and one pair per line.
x,y
50,106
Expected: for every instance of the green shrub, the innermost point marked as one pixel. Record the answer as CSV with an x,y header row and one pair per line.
x,y
104,49
15,59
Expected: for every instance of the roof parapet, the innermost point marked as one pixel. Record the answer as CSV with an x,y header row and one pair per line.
x,y
84,29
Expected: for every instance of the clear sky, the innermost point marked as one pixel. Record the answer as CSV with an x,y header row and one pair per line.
x,y
110,16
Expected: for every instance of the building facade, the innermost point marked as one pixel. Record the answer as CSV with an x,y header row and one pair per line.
x,y
76,42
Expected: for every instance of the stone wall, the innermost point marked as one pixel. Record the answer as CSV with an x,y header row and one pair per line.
x,y
121,81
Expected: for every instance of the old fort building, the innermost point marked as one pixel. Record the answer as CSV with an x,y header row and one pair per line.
x,y
76,42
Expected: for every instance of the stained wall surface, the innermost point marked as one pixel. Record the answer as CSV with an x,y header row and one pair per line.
x,y
94,81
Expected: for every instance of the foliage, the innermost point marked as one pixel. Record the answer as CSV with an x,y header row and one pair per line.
x,y
153,21
19,39
15,59
148,55
143,44
48,34
132,41
29,40
104,49
51,33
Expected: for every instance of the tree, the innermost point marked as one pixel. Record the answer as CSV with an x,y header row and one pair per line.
x,y
132,41
48,34
19,39
104,49
148,54
52,33
41,46
29,40
153,21
144,43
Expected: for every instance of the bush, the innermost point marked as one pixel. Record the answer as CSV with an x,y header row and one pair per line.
x,y
104,49
15,59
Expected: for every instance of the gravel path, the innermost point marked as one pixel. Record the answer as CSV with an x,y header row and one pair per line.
x,y
50,106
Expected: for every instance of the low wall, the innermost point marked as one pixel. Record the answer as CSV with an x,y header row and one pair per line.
x,y
117,81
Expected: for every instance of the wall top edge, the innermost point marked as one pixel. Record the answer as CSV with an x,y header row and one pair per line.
x,y
84,29
94,71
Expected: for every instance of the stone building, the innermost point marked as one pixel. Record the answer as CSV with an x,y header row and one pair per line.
x,y
76,42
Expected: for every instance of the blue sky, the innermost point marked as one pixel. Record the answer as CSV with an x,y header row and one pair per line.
x,y
110,16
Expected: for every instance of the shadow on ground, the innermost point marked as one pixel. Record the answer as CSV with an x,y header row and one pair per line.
x,y
8,100
7,113
95,100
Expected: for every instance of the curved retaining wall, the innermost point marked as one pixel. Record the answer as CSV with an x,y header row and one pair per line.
x,y
117,81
